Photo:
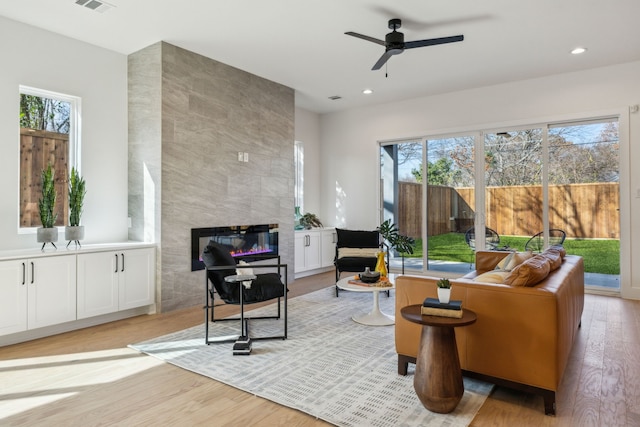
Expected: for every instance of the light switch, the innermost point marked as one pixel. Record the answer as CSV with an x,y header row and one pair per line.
x,y
246,157
240,156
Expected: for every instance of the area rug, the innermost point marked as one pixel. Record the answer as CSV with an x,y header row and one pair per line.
x,y
329,367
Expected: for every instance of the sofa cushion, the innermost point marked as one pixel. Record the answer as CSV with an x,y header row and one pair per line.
x,y
495,276
529,273
513,260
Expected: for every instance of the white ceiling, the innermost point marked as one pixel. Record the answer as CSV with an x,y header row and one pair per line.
x,y
301,44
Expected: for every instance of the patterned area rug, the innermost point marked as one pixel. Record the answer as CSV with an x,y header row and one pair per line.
x,y
330,367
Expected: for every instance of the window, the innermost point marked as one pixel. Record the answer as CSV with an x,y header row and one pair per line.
x,y
49,132
298,161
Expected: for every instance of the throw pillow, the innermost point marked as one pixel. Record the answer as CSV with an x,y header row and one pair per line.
x,y
529,273
357,252
560,249
492,277
554,257
513,260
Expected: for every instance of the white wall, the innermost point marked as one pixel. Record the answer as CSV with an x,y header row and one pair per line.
x,y
45,60
349,150
307,131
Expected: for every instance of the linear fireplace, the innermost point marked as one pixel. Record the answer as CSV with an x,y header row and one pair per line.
x,y
247,242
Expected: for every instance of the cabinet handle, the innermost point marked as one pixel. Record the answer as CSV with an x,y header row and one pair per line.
x,y
122,262
24,273
116,263
32,272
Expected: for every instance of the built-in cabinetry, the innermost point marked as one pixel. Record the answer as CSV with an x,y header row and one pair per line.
x,y
314,250
41,291
37,292
115,280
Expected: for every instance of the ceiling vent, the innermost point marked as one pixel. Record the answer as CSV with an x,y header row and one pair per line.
x,y
335,97
98,6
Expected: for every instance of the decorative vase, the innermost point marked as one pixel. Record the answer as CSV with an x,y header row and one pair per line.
x,y
47,235
381,267
297,217
74,234
444,295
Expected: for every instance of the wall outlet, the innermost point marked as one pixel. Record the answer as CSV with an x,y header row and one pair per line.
x,y
246,157
240,156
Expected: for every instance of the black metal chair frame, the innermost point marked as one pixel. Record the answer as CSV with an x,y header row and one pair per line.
x,y
244,321
492,238
538,239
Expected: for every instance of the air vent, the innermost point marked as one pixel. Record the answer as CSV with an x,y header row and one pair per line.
x,y
98,6
335,97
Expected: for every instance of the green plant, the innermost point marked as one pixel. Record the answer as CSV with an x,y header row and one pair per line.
x,y
310,220
444,283
401,243
77,192
47,203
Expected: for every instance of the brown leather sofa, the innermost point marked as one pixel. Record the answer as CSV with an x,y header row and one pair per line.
x,y
523,335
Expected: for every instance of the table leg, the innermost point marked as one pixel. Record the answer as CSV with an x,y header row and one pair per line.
x,y
438,378
375,317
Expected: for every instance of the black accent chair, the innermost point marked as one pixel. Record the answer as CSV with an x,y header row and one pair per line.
x,y
267,286
536,242
368,241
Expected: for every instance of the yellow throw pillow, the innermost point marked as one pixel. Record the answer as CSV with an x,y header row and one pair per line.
x,y
529,273
492,277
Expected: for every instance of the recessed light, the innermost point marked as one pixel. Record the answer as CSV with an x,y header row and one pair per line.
x,y
578,50
367,91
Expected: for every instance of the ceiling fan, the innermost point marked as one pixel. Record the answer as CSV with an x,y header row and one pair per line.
x,y
394,43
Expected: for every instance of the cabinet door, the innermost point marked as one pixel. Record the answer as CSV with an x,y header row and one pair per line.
x,y
13,296
51,291
137,278
329,239
312,250
97,283
299,245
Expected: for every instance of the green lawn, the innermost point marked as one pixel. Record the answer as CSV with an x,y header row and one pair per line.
x,y
600,256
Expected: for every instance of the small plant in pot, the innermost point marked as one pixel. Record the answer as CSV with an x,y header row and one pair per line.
x,y
48,233
444,290
74,232
310,221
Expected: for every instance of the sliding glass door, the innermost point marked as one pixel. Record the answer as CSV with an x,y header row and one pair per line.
x,y
508,185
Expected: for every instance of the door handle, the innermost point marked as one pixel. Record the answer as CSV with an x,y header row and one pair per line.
x,y
116,263
122,261
24,273
32,272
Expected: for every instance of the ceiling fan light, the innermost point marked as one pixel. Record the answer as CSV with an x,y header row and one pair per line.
x,y
578,50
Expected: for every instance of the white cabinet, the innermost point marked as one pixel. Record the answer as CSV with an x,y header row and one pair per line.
x,y
314,249
307,250
37,292
115,280
137,284
329,239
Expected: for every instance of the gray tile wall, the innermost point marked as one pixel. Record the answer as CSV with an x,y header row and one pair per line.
x,y
185,131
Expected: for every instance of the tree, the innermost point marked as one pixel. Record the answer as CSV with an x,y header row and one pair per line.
x,y
41,113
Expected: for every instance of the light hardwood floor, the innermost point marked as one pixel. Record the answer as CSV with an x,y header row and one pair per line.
x,y
89,377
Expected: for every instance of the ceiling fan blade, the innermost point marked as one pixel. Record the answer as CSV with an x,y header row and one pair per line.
x,y
383,59
433,42
367,38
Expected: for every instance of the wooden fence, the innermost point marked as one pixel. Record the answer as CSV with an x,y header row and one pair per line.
x,y
37,150
582,210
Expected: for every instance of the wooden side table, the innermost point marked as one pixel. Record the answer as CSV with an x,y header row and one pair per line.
x,y
438,378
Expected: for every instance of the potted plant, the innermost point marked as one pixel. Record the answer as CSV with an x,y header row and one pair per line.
x,y
399,242
74,231
310,220
444,290
48,233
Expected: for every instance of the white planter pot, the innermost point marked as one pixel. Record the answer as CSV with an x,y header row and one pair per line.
x,y
74,234
47,235
444,295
